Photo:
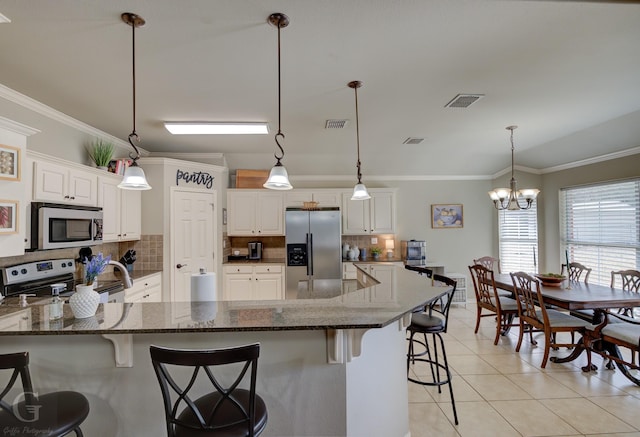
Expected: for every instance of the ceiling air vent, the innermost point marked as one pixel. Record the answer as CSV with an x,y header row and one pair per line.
x,y
463,100
335,124
413,140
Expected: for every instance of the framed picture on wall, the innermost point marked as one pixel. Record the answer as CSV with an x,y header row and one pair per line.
x,y
446,216
8,216
9,163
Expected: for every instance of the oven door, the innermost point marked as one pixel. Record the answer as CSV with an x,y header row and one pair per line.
x,y
59,227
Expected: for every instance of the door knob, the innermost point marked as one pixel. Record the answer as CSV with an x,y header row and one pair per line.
x,y
179,266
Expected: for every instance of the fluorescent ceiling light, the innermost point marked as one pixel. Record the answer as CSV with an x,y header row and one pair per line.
x,y
217,128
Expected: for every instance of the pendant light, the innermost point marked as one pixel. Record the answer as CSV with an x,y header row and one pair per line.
x,y
134,178
278,177
508,198
359,191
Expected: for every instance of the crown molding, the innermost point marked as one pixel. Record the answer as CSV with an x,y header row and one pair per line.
x,y
595,160
16,127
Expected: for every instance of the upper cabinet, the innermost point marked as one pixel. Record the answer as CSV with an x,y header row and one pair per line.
x,y
255,213
373,216
121,210
324,197
58,183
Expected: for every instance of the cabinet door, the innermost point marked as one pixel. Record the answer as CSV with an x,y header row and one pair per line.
x,y
382,213
238,286
134,294
268,286
328,198
50,182
109,200
130,215
296,198
83,187
386,290
270,214
242,213
355,215
20,321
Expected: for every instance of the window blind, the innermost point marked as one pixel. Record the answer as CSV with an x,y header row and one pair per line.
x,y
599,227
518,238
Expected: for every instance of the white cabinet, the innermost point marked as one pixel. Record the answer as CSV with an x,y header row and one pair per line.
x,y
348,270
255,213
121,210
253,282
58,183
18,321
386,290
373,216
325,198
145,289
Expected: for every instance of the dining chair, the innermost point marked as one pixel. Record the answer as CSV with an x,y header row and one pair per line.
x,y
576,270
630,281
433,321
489,262
535,316
53,414
227,410
503,308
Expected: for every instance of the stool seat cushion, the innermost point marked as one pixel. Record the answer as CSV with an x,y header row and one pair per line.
x,y
58,413
227,413
423,322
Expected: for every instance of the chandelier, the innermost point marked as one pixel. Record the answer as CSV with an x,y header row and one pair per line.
x,y
509,198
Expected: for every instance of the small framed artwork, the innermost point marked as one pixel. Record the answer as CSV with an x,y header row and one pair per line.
x,y
9,163
8,216
446,216
224,216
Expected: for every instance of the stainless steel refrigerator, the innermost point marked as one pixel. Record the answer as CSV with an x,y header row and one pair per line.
x,y
313,242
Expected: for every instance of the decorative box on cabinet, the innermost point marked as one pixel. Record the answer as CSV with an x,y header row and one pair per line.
x,y
324,197
121,210
58,183
255,213
253,282
373,216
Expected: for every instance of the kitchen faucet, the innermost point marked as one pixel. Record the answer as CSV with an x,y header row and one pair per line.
x,y
126,279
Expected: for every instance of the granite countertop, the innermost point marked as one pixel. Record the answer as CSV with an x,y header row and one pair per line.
x,y
356,309
256,261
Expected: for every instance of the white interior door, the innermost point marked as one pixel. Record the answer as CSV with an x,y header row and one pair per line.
x,y
193,238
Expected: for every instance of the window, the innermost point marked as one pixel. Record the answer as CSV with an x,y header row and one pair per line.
x,y
518,237
599,227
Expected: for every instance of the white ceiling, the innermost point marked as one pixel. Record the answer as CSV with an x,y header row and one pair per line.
x,y
566,72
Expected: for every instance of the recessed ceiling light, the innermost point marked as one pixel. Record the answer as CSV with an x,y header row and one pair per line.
x,y
217,128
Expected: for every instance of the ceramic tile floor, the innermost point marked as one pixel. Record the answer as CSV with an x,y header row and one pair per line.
x,y
500,392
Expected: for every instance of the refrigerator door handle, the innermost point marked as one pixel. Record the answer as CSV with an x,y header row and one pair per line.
x,y
309,254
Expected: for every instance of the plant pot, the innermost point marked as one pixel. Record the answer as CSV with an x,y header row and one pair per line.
x,y
102,167
84,302
376,256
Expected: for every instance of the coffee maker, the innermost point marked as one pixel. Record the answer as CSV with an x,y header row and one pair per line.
x,y
255,250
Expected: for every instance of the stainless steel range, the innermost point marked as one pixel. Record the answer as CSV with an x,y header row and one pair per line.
x,y
37,278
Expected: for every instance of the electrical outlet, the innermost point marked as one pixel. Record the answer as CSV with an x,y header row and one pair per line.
x,y
374,240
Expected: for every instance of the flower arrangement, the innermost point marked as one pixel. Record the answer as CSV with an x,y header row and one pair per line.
x,y
95,266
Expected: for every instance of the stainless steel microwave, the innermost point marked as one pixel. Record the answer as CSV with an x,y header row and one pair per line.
x,y
56,226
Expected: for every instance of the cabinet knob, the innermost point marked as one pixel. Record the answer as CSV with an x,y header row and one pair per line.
x,y
73,197
66,197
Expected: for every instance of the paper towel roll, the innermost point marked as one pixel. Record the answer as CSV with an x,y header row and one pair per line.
x,y
203,287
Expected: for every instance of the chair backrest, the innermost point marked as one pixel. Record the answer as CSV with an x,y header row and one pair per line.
x,y
529,299
630,279
484,285
576,270
177,396
444,307
421,270
19,362
489,262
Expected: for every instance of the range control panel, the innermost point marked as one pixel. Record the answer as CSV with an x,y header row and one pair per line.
x,y
296,255
37,270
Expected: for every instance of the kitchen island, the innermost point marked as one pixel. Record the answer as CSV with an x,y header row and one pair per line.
x,y
328,367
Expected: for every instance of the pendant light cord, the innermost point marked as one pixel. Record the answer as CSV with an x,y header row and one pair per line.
x,y
134,135
512,128
279,134
355,89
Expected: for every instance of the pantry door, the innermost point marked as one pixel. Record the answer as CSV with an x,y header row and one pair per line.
x,y
193,231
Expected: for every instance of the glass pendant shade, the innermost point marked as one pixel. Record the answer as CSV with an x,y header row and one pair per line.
x,y
134,179
360,193
278,178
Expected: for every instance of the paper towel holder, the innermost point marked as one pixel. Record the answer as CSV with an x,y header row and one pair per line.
x,y
203,271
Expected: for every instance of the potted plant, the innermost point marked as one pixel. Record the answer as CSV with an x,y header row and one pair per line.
x,y
101,153
376,251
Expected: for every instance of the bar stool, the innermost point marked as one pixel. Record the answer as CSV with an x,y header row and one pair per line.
x,y
227,410
50,415
433,321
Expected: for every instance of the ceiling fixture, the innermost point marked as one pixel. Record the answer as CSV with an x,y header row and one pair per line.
x,y
413,140
463,100
217,128
507,198
359,191
278,177
335,124
134,178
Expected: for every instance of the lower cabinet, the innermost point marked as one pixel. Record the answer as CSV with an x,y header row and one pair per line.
x,y
385,291
145,289
253,282
20,321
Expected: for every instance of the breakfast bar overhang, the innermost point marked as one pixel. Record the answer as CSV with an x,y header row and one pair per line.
x,y
328,367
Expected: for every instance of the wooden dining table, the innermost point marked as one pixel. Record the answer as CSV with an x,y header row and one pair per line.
x,y
572,295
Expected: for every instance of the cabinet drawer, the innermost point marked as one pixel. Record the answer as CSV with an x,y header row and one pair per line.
x,y
151,280
238,269
268,269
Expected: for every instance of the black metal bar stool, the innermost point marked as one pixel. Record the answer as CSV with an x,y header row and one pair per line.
x,y
228,410
433,321
49,415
